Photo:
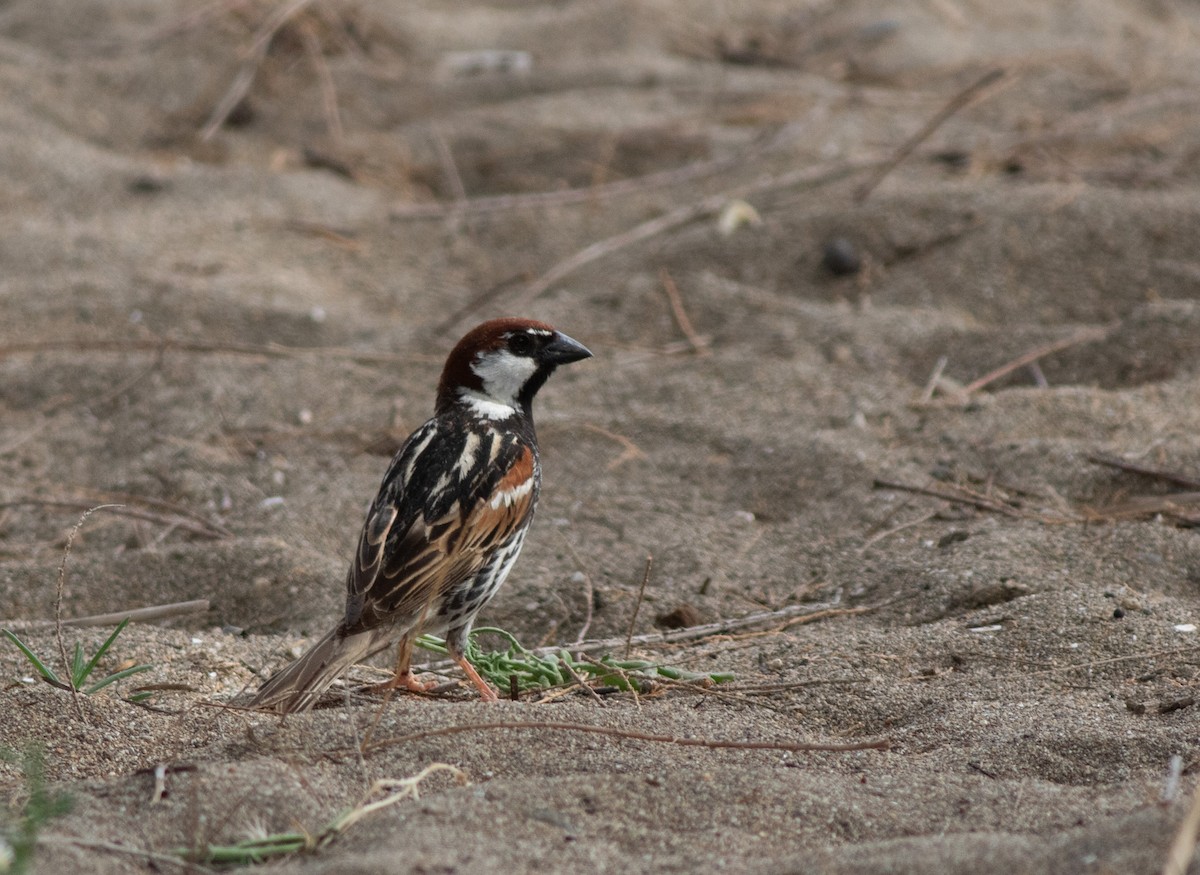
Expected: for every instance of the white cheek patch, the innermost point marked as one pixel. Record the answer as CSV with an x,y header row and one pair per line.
x,y
503,375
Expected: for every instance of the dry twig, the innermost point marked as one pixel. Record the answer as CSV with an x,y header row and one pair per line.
x,y
1088,335
250,64
590,194
957,494
188,522
638,604
329,97
699,343
817,174
547,725
136,615
268,350
960,101
1179,479
630,450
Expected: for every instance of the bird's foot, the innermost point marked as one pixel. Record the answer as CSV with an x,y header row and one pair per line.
x,y
405,680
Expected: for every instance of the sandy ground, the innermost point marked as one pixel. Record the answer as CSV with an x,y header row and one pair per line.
x,y
242,327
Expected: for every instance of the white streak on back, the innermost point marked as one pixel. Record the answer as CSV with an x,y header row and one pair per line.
x,y
508,497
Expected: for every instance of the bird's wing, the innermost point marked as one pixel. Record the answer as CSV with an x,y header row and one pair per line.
x,y
451,496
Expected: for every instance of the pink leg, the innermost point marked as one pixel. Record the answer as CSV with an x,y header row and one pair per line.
x,y
486,693
404,678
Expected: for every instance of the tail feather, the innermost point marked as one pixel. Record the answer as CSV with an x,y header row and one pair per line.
x,y
298,686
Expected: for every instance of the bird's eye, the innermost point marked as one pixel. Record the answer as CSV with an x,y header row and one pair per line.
x,y
520,344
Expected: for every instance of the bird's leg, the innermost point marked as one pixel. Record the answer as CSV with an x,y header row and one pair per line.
x,y
455,644
404,678
486,693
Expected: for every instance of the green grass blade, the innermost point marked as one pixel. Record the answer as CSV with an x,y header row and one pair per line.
x,y
117,676
103,649
78,675
41,667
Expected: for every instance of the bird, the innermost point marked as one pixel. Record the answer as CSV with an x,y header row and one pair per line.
x,y
449,519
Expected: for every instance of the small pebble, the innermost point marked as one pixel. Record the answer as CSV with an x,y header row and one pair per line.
x,y
841,257
146,183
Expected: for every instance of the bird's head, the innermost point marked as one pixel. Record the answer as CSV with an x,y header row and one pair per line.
x,y
498,367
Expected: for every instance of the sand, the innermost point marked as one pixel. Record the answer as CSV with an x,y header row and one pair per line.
x,y
243,327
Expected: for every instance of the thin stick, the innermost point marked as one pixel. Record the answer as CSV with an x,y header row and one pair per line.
x,y
135,615
250,64
581,682
539,725
591,194
203,530
824,615
97,844
588,591
630,452
672,219
699,344
271,350
329,96
1132,657
679,216
887,533
1145,470
637,606
1184,846
620,672
979,501
450,168
1086,336
934,379
955,104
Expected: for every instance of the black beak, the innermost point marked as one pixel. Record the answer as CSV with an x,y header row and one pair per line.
x,y
563,350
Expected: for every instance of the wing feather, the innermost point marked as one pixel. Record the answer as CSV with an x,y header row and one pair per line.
x,y
428,532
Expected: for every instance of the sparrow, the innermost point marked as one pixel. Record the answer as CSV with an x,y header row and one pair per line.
x,y
449,519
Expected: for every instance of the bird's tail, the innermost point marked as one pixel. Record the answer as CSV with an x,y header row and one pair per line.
x,y
298,686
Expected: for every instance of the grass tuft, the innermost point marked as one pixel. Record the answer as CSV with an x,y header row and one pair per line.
x,y
261,848
535,671
80,667
18,836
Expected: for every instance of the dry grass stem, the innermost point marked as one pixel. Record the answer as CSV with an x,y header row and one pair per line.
x,y
699,343
193,526
638,604
58,600
554,726
250,65
630,451
814,175
329,97
1088,335
588,195
158,346
973,92
1183,848
1176,477
136,615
